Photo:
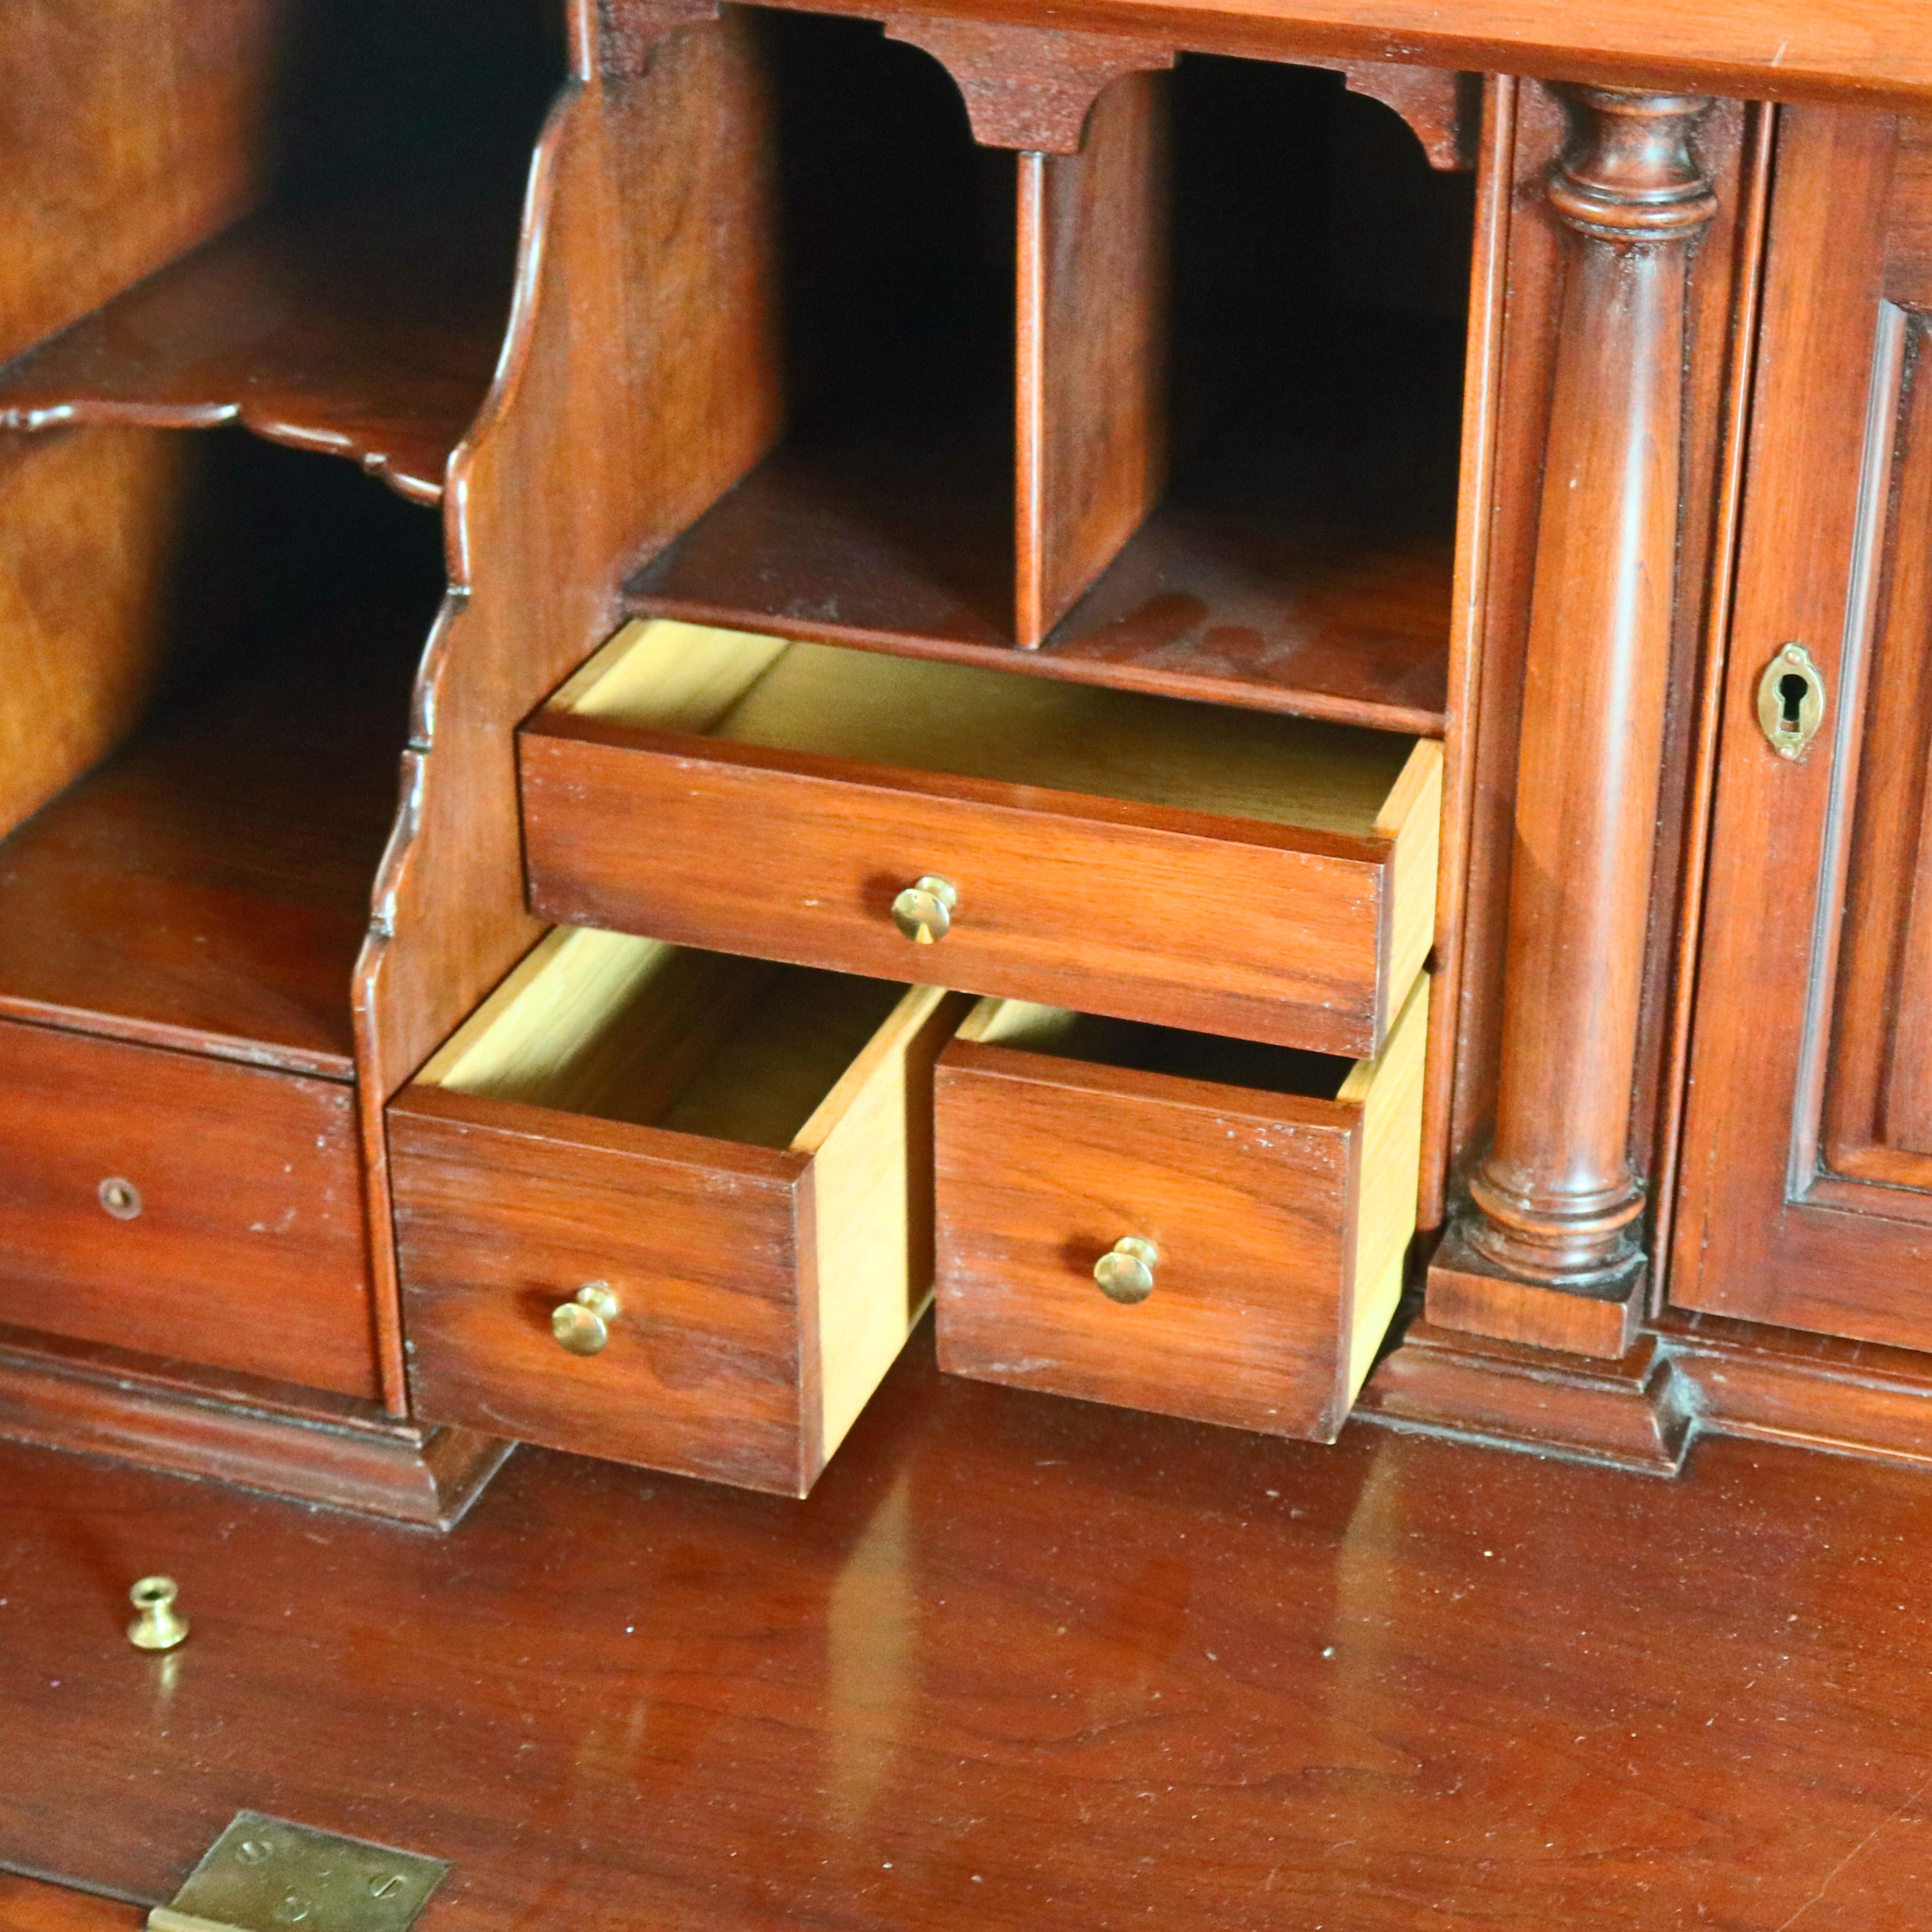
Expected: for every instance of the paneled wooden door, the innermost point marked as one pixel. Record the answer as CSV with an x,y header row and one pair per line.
x,y
1806,1195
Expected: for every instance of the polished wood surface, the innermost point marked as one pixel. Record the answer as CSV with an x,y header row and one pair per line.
x,y
1802,1203
1277,1190
1758,50
836,843
369,334
1555,1197
241,1243
755,1193
208,884
1091,385
219,1425
1018,1659
32,1905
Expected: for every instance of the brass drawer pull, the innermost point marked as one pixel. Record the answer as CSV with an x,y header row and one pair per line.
x,y
923,912
582,1325
1126,1271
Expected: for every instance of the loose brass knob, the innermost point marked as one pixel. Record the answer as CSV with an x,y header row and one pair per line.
x,y
923,912
1126,1271
160,1626
582,1325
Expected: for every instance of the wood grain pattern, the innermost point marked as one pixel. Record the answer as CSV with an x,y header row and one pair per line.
x,y
1031,88
999,1632
755,1197
1555,1197
208,884
1757,50
29,1905
227,1428
836,844
1764,1231
370,334
1281,1223
246,1251
135,131
1090,389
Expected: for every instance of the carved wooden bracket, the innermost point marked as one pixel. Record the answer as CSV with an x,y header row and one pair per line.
x,y
1442,109
1029,88
1556,1204
627,30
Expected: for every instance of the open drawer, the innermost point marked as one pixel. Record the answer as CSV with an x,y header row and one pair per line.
x,y
1171,1222
1191,864
668,1207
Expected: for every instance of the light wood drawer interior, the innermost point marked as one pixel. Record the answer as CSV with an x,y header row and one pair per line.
x,y
1276,1190
738,1151
1090,833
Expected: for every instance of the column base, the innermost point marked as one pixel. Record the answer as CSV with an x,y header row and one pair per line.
x,y
1636,1414
1468,1292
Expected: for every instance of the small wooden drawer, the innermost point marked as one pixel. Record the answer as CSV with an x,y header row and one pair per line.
x,y
739,1153
1191,865
1276,1190
183,1206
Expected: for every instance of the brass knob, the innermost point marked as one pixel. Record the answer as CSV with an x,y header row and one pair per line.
x,y
923,912
160,1626
1126,1271
583,1324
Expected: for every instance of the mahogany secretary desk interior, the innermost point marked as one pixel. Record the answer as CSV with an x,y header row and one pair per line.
x,y
1247,683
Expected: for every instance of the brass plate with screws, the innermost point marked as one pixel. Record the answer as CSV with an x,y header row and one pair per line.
x,y
266,1875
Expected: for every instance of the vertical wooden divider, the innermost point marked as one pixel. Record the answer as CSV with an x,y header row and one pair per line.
x,y
1090,389
639,381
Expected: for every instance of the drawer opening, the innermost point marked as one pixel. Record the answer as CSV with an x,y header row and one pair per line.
x,y
1278,1189
1218,353
618,1028
205,885
350,182
912,714
741,1152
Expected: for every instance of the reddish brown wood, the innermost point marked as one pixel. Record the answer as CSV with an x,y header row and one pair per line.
x,y
208,885
503,1211
1441,110
369,333
1250,1198
1555,1196
244,1249
1795,1207
1861,50
29,1905
835,840
1637,1413
232,1428
998,1633
1028,87
1091,391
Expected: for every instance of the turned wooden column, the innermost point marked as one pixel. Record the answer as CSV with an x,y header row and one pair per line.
x,y
1548,1250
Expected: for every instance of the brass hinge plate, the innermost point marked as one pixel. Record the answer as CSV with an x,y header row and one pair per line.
x,y
266,1875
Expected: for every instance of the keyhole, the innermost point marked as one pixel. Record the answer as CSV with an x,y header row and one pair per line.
x,y
1791,691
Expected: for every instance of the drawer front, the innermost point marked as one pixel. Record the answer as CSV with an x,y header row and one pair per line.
x,y
1260,932
183,1207
1279,1224
504,1211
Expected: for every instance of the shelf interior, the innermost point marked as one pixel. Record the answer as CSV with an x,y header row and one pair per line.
x,y
209,881
1302,557
360,310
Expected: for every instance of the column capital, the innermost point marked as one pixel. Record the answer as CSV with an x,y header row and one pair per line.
x,y
1631,174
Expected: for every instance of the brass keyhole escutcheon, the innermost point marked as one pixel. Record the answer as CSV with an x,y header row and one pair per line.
x,y
923,912
583,1323
1791,701
122,1199
1126,1272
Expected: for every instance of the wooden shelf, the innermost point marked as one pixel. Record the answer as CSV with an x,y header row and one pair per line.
x,y
369,332
207,885
1311,575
